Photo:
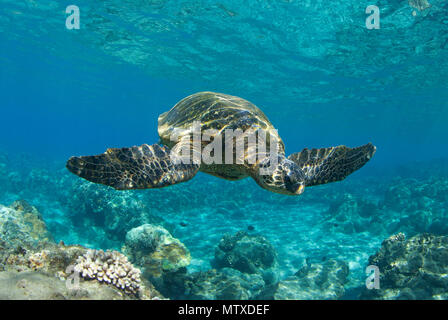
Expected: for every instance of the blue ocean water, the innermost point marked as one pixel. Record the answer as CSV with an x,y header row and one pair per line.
x,y
314,68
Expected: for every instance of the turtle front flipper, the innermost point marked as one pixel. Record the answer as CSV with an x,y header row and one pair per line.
x,y
331,164
140,167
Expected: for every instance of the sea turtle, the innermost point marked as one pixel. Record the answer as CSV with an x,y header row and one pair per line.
x,y
155,166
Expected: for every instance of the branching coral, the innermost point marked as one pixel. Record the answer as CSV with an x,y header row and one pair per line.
x,y
109,267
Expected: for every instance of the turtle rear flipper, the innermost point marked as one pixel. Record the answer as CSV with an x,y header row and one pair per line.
x,y
140,167
331,164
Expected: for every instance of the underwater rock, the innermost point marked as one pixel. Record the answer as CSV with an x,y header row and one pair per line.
x,y
45,257
353,215
254,283
226,284
439,225
22,223
248,254
411,269
162,257
437,190
420,5
30,285
315,282
254,255
59,262
418,206
156,249
213,285
398,197
40,179
26,247
411,194
114,211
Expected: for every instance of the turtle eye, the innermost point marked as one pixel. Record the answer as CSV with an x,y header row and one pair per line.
x,y
289,181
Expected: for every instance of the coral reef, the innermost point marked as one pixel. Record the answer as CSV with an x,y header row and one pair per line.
x,y
30,285
411,269
22,222
315,282
114,211
162,257
155,249
351,214
246,253
242,256
410,206
226,284
88,209
109,267
31,261
164,260
61,262
416,206
344,221
419,4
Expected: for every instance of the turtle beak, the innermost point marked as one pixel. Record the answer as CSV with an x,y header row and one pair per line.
x,y
300,189
294,185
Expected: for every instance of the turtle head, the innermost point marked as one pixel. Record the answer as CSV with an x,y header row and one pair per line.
x,y
280,175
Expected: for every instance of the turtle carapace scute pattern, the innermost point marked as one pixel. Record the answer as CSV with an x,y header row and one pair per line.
x,y
156,166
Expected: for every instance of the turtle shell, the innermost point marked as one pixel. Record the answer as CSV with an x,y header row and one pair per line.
x,y
213,111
